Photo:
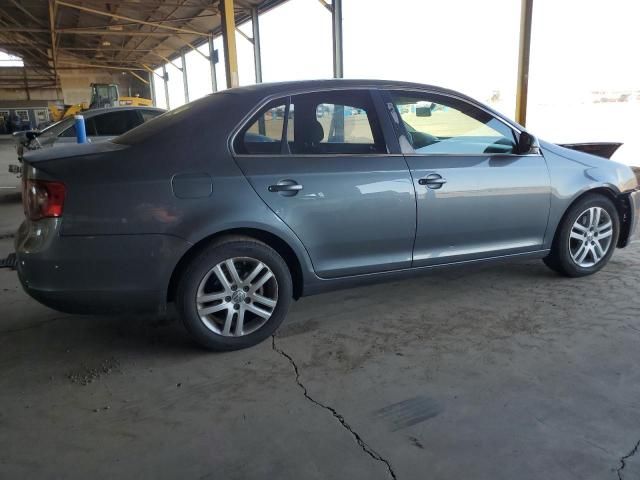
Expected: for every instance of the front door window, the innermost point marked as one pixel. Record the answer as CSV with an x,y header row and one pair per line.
x,y
438,125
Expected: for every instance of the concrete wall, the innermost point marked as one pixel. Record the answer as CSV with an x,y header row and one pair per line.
x,y
74,82
15,76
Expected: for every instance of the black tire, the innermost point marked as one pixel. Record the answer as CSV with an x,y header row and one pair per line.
x,y
206,260
560,259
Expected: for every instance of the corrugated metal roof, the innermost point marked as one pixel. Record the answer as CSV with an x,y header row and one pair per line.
x,y
87,34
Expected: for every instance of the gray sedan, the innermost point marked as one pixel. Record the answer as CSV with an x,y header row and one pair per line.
x,y
235,204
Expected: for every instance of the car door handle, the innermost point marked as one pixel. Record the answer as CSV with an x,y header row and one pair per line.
x,y
433,181
290,187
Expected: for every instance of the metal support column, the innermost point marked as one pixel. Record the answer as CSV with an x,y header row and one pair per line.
x,y
165,79
522,92
229,41
152,88
212,63
336,17
257,57
184,77
54,54
26,82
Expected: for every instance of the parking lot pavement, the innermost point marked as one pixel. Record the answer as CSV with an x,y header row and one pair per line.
x,y
498,372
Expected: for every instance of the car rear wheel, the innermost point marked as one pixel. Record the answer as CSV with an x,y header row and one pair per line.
x,y
586,237
234,294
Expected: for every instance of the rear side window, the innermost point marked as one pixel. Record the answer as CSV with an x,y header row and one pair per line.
x,y
113,123
322,123
337,122
344,124
264,134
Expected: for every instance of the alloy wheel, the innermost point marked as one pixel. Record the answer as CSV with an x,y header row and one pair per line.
x,y
237,296
590,238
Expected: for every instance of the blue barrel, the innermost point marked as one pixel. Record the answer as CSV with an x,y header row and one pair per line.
x,y
81,131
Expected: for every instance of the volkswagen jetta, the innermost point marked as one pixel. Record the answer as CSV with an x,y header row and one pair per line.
x,y
235,204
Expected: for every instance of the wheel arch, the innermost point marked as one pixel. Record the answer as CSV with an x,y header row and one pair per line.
x,y
272,240
620,202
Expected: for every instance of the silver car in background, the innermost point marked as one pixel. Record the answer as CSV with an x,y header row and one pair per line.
x,y
235,204
101,124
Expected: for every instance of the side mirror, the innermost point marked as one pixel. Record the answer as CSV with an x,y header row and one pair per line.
x,y
31,134
526,142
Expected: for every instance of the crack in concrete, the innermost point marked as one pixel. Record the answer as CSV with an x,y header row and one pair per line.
x,y
623,462
363,445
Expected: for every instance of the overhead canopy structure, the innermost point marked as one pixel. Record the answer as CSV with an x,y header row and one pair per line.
x,y
141,35
134,35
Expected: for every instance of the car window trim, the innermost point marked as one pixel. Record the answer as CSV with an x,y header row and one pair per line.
x,y
284,142
386,123
279,96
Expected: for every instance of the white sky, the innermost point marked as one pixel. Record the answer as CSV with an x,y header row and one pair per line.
x,y
469,45
578,46
7,60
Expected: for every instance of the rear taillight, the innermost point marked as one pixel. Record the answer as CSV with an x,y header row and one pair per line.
x,y
43,199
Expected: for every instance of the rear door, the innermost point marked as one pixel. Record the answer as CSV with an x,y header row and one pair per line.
x,y
321,163
476,197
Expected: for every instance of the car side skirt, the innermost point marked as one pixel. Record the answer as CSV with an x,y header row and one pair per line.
x,y
320,285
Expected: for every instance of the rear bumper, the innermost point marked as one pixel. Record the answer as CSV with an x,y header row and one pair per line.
x,y
99,274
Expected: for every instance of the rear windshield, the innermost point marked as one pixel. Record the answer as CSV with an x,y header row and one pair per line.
x,y
164,122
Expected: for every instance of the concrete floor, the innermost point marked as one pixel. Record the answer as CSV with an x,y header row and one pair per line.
x,y
499,372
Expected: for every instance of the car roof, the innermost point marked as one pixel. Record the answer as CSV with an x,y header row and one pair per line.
x,y
99,111
265,90
288,86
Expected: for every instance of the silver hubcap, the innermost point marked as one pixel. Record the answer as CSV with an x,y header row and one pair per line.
x,y
590,237
237,296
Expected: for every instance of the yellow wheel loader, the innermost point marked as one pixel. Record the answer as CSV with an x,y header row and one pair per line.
x,y
102,95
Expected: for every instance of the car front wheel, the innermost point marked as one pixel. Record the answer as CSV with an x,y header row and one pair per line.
x,y
586,237
234,294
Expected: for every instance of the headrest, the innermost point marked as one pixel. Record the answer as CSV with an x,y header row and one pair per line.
x,y
316,132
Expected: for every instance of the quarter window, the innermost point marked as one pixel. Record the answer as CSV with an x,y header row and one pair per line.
x,y
440,125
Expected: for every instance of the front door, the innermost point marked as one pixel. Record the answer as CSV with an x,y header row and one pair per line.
x,y
320,162
475,197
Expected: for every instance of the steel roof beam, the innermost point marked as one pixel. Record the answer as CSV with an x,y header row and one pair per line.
x,y
130,19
